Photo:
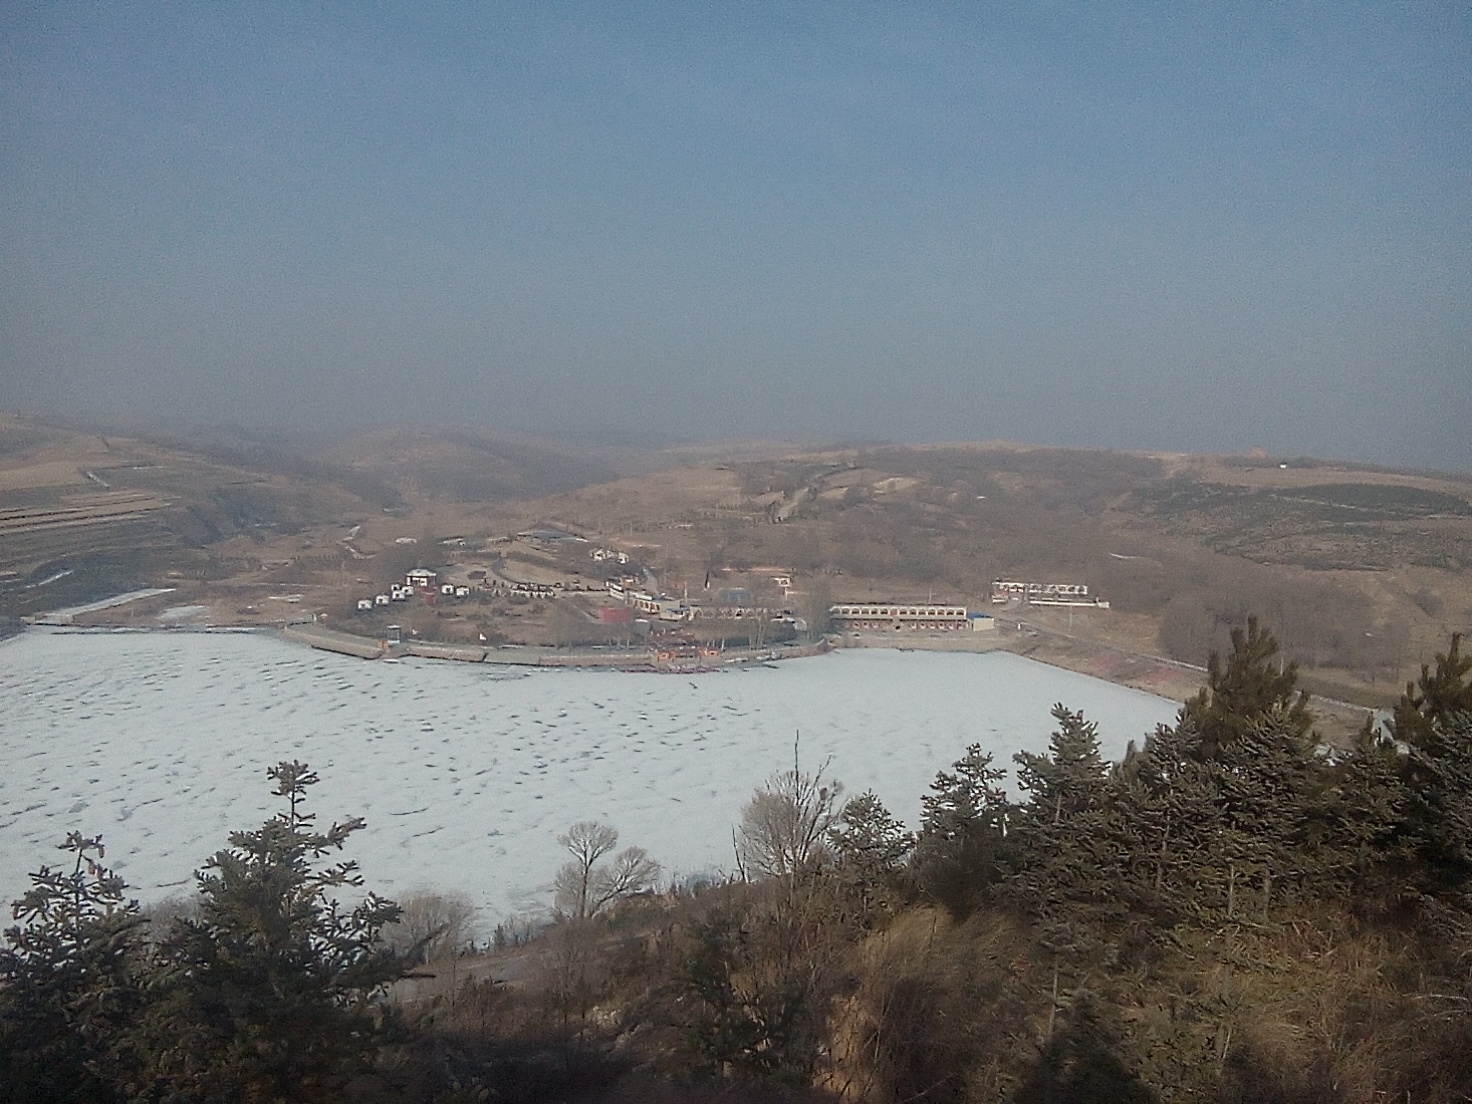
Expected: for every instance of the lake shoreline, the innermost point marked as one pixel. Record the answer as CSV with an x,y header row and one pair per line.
x,y
467,773
1158,675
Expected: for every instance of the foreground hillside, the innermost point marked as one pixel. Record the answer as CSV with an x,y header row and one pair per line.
x,y
1226,916
1359,570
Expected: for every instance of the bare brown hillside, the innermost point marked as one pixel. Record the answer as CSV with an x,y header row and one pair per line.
x,y
1360,571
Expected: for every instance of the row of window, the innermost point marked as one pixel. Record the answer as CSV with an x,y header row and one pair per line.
x,y
898,611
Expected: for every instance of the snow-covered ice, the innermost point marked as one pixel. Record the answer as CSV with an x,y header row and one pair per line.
x,y
466,773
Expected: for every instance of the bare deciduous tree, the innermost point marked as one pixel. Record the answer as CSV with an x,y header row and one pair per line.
x,y
631,872
583,887
784,827
432,926
587,841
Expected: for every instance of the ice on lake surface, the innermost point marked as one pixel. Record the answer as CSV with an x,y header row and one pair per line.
x,y
467,773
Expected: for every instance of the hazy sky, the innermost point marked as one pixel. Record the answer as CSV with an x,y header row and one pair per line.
x,y
1168,224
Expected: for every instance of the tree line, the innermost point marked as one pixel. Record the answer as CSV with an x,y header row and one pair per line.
x,y
1230,913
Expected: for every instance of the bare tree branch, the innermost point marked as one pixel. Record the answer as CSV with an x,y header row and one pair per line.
x,y
784,827
633,871
587,841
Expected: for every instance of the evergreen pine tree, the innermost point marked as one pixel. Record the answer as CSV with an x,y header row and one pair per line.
x,y
69,983
269,994
1178,817
1436,695
1244,689
754,1014
1073,844
962,847
1275,828
1230,834
1367,805
1437,775
1070,778
1432,728
869,846
1167,803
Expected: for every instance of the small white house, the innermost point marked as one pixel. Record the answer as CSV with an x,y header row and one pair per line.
x,y
365,604
380,599
462,592
447,589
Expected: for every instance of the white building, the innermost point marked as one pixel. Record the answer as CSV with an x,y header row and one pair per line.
x,y
1045,594
898,616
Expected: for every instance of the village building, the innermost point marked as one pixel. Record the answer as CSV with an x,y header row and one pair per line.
x,y
1045,594
898,617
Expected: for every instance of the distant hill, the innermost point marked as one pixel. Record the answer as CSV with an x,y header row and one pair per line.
x,y
1361,571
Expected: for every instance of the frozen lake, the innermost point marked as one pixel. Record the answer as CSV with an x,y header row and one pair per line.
x,y
466,773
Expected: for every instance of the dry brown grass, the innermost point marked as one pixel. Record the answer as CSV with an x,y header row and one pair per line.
x,y
54,473
934,521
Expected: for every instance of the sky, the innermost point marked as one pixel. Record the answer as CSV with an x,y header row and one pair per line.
x,y
1184,226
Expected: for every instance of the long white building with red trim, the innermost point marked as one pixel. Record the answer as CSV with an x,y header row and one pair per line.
x,y
898,616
